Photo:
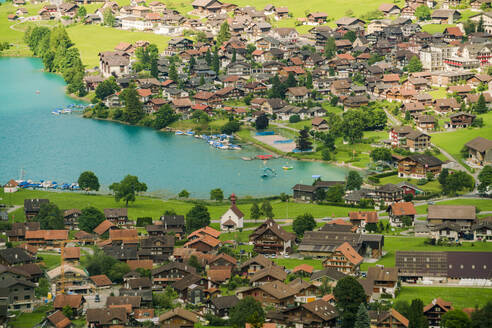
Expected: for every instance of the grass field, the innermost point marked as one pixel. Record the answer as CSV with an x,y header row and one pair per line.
x,y
438,93
432,186
435,28
155,207
292,263
29,320
453,141
461,297
50,260
393,244
92,39
481,204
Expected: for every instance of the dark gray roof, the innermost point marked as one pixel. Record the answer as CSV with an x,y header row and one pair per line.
x,y
225,302
13,256
31,205
327,272
174,265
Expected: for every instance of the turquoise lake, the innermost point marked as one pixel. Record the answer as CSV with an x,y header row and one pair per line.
x,y
59,148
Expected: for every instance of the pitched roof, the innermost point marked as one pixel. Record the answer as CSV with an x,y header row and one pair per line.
x,y
207,230
71,253
303,267
101,280
134,301
440,302
103,227
61,300
207,239
271,225
14,256
115,212
179,312
277,289
379,273
225,302
258,259
106,316
125,235
59,320
403,208
368,216
273,271
480,144
322,309
219,275
350,253
332,273
144,264
454,212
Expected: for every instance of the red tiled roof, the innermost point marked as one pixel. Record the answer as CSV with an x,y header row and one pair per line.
x,y
350,253
101,280
207,230
103,227
71,253
144,264
304,267
144,92
403,208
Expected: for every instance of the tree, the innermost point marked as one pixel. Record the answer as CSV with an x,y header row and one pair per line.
x,y
173,73
245,310
302,142
50,217
67,311
216,194
349,294
480,25
224,33
362,319
485,178
164,117
133,107
354,181
108,18
216,62
294,118
278,88
233,59
303,223
408,197
88,181
266,209
458,181
89,218
455,319
481,106
351,36
407,220
443,176
164,300
353,125
416,316
230,127
43,288
198,217
381,154
261,122
81,12
330,48
127,188
117,271
422,13
291,80
326,155
309,80
335,193
414,65
255,211
193,261
184,194
481,318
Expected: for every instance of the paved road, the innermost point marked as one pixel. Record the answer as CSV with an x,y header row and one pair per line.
x,y
282,125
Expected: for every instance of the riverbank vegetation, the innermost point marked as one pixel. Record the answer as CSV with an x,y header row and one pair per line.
x,y
59,55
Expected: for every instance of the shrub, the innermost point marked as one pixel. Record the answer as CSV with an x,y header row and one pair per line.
x,y
294,119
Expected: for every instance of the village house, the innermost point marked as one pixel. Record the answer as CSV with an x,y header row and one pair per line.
x,y
11,186
462,215
32,207
344,259
391,318
158,248
319,124
418,166
274,293
18,294
426,122
482,230
106,317
15,256
435,310
71,218
221,305
255,264
397,211
408,138
479,151
117,216
361,219
270,238
18,231
58,320
169,273
459,120
178,318
114,63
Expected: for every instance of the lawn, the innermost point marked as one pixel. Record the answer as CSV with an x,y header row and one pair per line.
x,y
29,320
50,260
393,244
435,28
461,297
213,126
432,186
92,39
453,141
482,204
438,93
292,263
155,207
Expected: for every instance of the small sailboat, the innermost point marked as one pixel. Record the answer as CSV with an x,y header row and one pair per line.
x,y
190,133
179,133
287,167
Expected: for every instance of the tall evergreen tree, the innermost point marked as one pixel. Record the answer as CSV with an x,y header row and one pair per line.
x,y
481,106
362,319
416,316
173,73
330,48
291,80
303,142
224,33
216,62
